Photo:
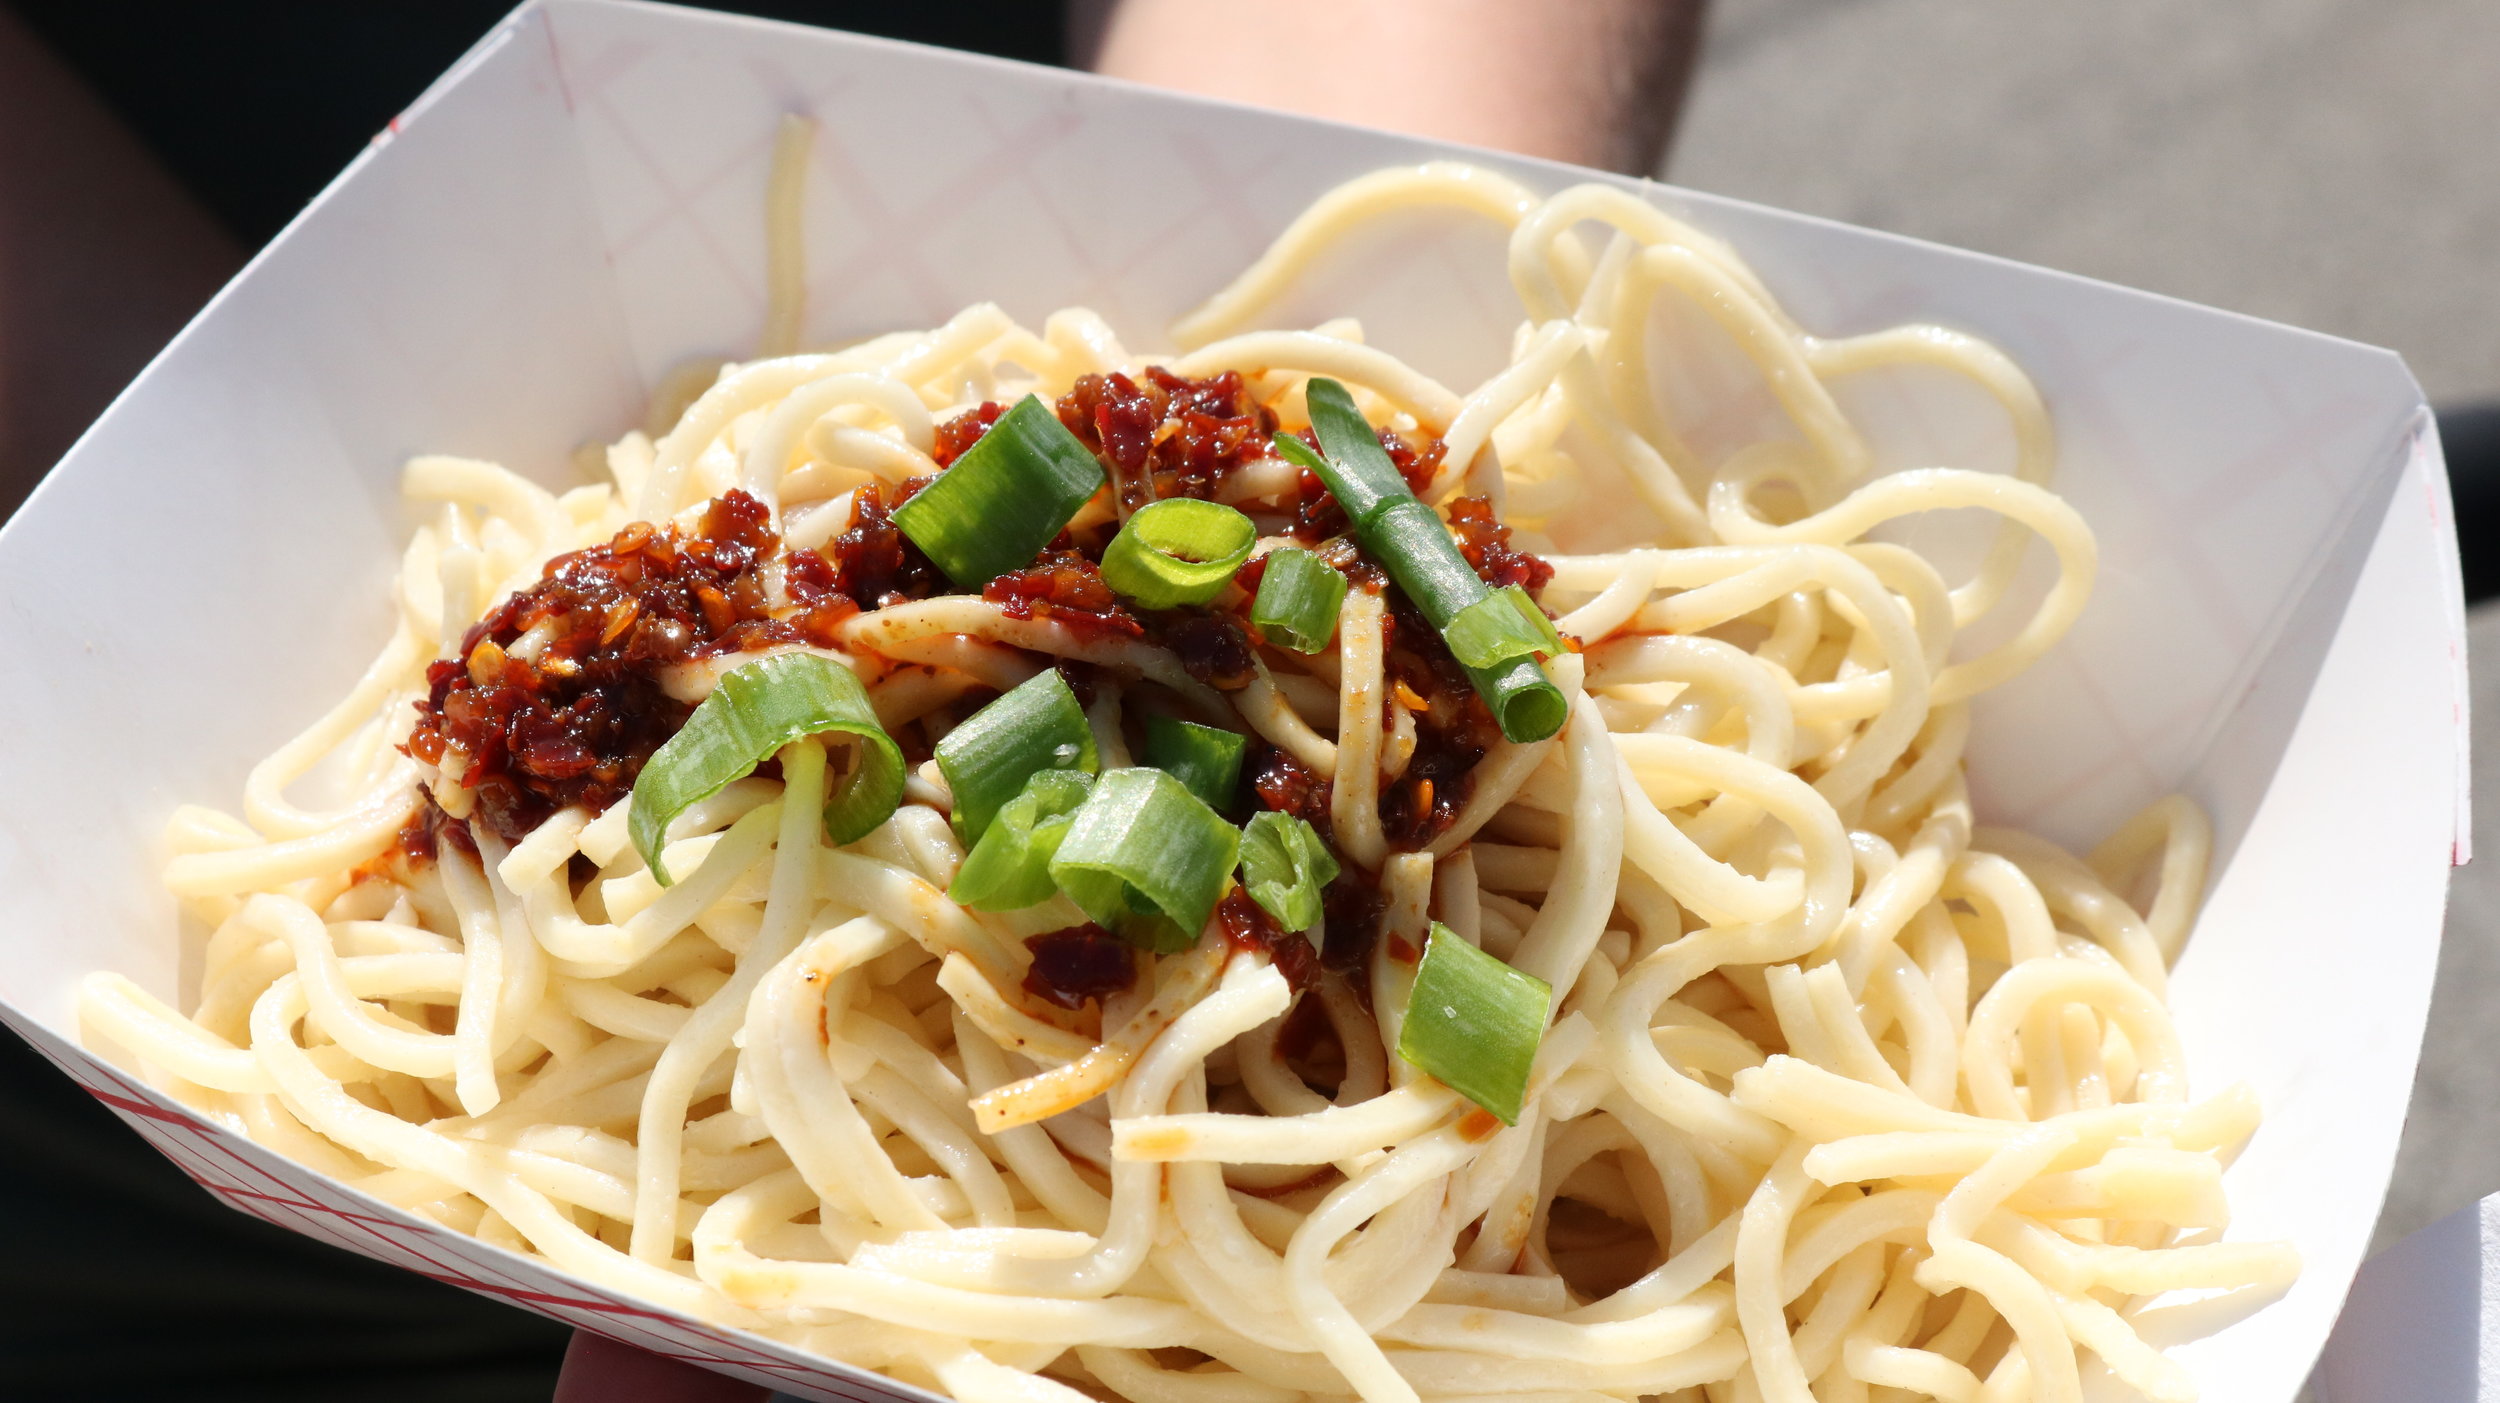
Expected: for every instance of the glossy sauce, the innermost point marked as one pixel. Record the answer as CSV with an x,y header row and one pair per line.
x,y
1078,965
1248,926
571,715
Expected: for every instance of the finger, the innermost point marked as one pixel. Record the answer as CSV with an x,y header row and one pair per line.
x,y
599,1370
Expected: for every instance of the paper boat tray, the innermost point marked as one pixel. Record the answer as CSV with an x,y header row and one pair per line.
x,y
575,208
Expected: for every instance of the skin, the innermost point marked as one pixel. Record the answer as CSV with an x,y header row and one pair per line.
x,y
103,257
1593,82
599,1370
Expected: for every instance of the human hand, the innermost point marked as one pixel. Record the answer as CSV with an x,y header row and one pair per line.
x,y
599,1370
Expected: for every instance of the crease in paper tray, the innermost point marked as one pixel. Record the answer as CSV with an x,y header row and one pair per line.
x,y
573,209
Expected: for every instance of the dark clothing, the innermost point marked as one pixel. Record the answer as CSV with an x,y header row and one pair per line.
x,y
255,104
118,1277
2471,436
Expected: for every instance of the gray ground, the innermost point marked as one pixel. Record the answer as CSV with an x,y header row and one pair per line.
x,y
2331,163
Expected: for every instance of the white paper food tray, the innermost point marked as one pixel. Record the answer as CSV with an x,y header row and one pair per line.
x,y
576,207
2424,1318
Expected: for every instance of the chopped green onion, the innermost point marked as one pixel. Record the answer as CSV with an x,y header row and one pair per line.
x,y
1499,627
1522,698
754,711
1474,1022
1355,459
986,760
1147,859
1178,551
1417,550
1299,595
1205,759
1284,865
1414,545
1537,619
1005,498
1303,455
1009,869
1400,532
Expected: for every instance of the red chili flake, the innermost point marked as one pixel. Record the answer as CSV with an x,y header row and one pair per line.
x,y
1316,515
1211,646
736,532
1064,587
1077,965
620,617
963,431
417,836
1248,926
1169,436
874,563
1111,415
1288,786
574,722
809,579
1485,541
418,842
1478,1126
1416,465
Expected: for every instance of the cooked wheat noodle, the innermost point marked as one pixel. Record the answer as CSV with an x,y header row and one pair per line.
x,y
1843,1096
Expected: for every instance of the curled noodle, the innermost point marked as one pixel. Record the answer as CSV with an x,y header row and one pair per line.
x,y
1841,1091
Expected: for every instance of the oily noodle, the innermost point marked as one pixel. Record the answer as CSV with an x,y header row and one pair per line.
x,y
1844,1097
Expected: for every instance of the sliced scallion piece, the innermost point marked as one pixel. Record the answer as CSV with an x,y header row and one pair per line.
x,y
754,711
1205,759
1474,1022
1147,859
1299,596
1005,498
1537,619
1416,549
1303,455
1359,472
1009,869
1285,867
986,760
1178,551
1414,545
1503,625
1522,698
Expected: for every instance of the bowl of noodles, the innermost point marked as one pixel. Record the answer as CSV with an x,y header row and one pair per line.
x,y
1366,775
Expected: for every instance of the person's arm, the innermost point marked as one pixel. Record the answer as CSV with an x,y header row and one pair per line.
x,y
1596,82
102,258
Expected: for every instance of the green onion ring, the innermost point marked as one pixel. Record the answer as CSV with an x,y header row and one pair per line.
x,y
753,711
1178,551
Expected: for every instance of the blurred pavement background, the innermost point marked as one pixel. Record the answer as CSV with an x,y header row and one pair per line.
x,y
2330,163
